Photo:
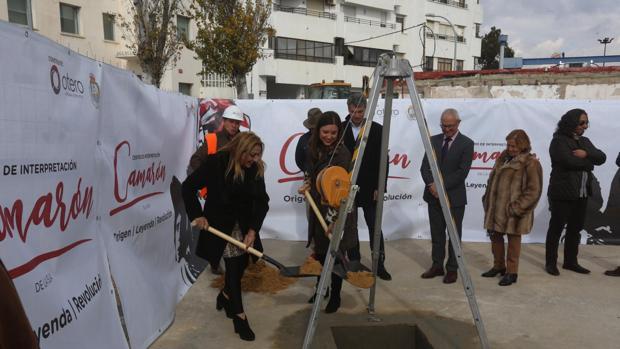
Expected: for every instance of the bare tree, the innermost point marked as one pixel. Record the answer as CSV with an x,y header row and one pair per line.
x,y
152,35
230,37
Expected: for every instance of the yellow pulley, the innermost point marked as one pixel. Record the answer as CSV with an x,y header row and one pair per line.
x,y
333,185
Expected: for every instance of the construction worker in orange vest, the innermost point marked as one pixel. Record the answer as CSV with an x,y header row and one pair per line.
x,y
231,120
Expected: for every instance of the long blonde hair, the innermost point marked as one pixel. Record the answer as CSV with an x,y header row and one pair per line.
x,y
241,144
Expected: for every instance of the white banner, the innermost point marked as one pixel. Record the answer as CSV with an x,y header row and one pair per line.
x,y
146,141
48,198
486,121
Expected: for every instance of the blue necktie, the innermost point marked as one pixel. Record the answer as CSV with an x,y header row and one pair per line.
x,y
444,149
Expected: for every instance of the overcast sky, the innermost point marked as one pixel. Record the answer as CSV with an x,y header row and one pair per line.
x,y
539,28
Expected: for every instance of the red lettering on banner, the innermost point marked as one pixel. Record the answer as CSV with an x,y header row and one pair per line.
x,y
138,178
398,159
283,153
485,157
401,159
12,219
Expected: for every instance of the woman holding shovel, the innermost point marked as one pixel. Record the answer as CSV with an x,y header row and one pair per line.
x,y
326,150
237,205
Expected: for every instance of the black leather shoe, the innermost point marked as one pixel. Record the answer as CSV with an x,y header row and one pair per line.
x,y
615,272
552,270
333,304
242,327
494,272
450,277
432,272
383,274
576,268
222,302
508,280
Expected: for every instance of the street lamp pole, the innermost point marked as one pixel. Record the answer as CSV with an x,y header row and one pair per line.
x,y
453,30
605,41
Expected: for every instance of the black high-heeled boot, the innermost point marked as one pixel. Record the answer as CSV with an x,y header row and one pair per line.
x,y
334,300
242,327
222,302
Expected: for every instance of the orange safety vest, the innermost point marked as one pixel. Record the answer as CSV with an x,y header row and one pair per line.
x,y
211,142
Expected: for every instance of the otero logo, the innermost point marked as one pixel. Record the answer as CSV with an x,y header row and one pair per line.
x,y
72,87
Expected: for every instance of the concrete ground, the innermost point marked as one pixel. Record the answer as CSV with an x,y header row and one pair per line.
x,y
539,311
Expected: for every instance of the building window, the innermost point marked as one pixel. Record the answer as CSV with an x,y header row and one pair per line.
x,y
444,64
428,64
183,27
400,21
459,64
185,88
478,30
108,26
18,11
304,50
69,19
364,56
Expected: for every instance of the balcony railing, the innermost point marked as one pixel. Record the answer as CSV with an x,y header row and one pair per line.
x,y
305,12
460,39
369,22
453,3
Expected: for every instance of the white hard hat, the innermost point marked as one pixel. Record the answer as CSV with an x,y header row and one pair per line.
x,y
233,113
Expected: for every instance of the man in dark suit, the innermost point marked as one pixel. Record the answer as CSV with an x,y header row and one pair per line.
x,y
454,152
368,178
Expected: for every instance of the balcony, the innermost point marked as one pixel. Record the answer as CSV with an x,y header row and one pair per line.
x,y
128,55
305,12
453,3
369,22
459,38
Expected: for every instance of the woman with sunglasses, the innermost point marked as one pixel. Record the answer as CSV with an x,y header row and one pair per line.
x,y
573,158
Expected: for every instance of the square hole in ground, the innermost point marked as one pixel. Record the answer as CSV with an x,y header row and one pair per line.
x,y
384,337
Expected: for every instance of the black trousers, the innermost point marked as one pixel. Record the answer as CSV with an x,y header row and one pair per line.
x,y
336,284
438,234
235,267
370,214
570,214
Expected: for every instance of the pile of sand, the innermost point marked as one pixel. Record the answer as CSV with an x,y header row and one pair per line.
x,y
260,278
311,267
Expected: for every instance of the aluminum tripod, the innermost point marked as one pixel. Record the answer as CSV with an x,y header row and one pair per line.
x,y
390,69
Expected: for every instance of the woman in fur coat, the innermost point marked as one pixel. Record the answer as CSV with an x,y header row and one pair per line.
x,y
513,190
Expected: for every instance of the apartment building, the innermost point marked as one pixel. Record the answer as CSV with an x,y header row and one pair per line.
x,y
330,40
316,40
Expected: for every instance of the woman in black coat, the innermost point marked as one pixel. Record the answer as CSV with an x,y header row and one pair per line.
x,y
615,272
324,151
236,205
573,158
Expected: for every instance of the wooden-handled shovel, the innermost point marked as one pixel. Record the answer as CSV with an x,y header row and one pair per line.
x,y
285,271
356,269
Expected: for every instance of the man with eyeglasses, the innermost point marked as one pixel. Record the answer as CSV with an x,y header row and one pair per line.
x,y
368,178
454,152
573,158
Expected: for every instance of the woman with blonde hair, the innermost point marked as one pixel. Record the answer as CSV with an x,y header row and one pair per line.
x,y
236,205
513,190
